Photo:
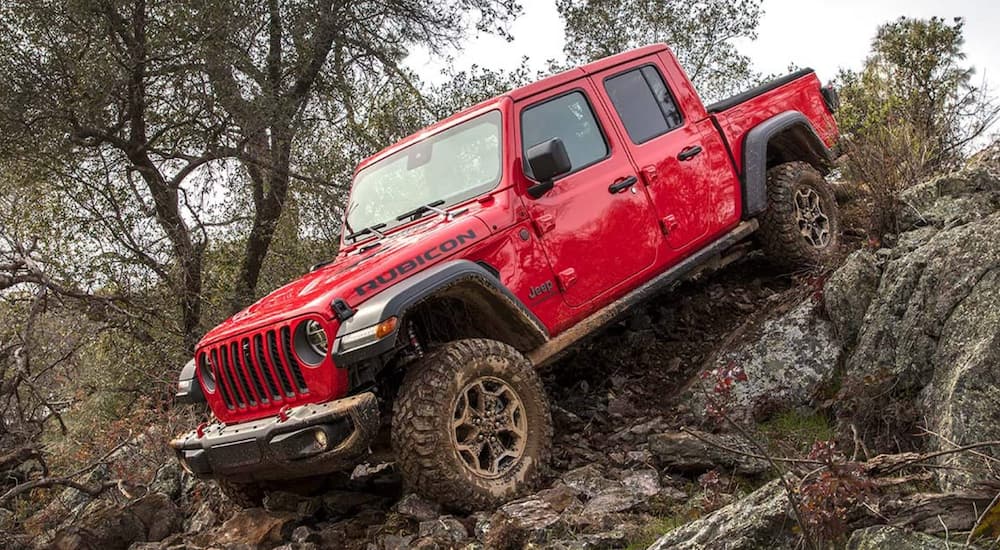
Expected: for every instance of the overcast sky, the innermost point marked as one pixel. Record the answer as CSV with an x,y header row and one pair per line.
x,y
822,34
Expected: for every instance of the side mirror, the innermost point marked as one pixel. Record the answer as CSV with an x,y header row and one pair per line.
x,y
548,160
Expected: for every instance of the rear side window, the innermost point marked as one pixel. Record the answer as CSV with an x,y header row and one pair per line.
x,y
643,103
570,118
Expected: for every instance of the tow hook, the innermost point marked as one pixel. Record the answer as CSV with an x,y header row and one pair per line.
x,y
283,413
200,430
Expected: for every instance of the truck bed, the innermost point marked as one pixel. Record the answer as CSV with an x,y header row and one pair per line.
x,y
799,91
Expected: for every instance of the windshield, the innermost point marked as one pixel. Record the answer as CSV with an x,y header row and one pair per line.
x,y
454,165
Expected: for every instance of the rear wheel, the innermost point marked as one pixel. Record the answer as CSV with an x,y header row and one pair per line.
x,y
471,426
801,226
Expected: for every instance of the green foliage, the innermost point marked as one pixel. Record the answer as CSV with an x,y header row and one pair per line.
x,y
701,34
657,528
797,431
912,111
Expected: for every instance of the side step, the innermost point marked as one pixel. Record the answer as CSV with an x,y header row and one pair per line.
x,y
553,348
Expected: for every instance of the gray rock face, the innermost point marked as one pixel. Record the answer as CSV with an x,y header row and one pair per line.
x,y
928,348
105,525
848,293
759,520
882,537
786,359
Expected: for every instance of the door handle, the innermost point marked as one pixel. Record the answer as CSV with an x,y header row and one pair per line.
x,y
622,184
689,153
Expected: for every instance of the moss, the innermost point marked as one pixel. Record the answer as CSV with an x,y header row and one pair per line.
x,y
796,431
659,527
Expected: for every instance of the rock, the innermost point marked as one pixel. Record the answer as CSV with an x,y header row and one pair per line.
x,y
683,452
168,480
253,526
643,483
587,480
445,530
951,200
105,525
305,534
396,542
346,503
759,520
559,498
618,499
848,293
202,520
520,522
928,348
787,360
281,501
415,507
881,537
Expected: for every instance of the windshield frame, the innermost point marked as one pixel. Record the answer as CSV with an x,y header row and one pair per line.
x,y
403,147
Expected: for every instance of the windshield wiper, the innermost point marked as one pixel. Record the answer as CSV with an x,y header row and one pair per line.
x,y
416,212
371,230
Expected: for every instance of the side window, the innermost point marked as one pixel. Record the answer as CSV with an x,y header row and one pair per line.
x,y
643,103
570,118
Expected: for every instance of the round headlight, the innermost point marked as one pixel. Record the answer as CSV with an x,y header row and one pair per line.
x,y
316,337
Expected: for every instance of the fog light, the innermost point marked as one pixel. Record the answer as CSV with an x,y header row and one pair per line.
x,y
321,439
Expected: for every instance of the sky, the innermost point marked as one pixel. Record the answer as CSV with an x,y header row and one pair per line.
x,y
822,34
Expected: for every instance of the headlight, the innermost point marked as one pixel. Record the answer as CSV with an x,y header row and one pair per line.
x,y
316,337
311,342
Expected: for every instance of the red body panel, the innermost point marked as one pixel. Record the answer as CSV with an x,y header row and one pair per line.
x,y
565,254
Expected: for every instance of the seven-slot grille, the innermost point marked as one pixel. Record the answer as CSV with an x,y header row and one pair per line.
x,y
256,370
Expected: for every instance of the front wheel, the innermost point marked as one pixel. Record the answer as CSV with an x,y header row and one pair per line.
x,y
801,226
471,426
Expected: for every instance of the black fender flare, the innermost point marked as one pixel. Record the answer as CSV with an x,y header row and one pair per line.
x,y
755,146
457,275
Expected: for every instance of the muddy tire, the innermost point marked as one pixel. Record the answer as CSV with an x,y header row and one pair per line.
x,y
244,495
471,426
801,227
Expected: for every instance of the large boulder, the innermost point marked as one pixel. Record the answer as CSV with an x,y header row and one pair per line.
x,y
848,293
759,520
927,351
787,358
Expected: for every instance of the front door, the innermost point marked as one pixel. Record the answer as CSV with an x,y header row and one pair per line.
x,y
666,147
596,225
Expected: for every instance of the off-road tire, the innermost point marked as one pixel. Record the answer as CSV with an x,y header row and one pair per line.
x,y
244,495
781,235
424,437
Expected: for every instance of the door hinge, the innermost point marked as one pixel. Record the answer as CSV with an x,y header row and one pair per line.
x,y
566,278
668,224
544,224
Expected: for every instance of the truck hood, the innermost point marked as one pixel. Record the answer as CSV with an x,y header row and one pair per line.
x,y
357,276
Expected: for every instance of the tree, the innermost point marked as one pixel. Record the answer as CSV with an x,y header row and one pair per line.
x,y
700,33
132,113
912,111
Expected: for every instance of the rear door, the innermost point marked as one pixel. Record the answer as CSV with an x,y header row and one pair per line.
x,y
596,238
665,146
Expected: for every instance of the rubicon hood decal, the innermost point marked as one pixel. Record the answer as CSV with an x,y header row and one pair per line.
x,y
416,262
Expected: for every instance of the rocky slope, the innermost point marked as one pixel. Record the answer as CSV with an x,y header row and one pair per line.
x,y
896,352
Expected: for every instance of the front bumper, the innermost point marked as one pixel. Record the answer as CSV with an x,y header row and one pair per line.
x,y
313,439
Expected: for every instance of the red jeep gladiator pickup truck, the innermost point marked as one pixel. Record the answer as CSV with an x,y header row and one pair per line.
x,y
479,248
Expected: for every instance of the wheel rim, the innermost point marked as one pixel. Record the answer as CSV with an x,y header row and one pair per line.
x,y
489,427
814,225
